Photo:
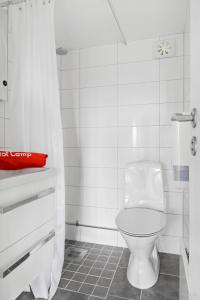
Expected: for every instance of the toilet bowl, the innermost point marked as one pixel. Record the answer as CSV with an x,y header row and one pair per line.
x,y
142,220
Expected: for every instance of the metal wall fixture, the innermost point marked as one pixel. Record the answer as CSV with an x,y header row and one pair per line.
x,y
90,226
183,117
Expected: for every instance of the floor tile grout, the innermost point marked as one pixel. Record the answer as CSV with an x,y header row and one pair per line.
x,y
114,274
100,248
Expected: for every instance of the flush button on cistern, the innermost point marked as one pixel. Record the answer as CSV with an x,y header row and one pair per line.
x,y
193,145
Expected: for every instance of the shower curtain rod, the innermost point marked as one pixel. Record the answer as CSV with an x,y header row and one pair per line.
x,y
117,22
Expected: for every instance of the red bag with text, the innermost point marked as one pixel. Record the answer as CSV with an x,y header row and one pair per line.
x,y
21,160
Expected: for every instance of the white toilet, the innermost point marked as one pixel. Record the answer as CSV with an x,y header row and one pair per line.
x,y
142,220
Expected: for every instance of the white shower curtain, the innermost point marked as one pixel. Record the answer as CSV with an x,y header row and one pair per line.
x,y
35,120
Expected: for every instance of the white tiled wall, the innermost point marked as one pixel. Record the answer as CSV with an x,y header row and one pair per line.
x,y
116,107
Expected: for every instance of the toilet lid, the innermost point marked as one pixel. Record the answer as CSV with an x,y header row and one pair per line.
x,y
140,221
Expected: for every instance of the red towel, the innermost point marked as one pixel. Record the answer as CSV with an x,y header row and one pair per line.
x,y
21,160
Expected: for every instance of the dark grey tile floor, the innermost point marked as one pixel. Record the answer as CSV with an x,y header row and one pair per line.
x,y
102,275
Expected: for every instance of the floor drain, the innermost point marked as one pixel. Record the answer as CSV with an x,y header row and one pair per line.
x,y
75,254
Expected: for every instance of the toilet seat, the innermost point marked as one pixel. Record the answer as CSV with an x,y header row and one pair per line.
x,y
141,222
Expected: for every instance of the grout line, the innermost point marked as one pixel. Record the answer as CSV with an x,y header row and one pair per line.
x,y
99,276
122,84
161,273
111,208
86,274
121,105
115,64
115,126
111,148
117,183
111,188
141,295
159,105
117,168
114,273
103,270
79,231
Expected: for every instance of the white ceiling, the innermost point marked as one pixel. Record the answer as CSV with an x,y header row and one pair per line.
x,y
85,23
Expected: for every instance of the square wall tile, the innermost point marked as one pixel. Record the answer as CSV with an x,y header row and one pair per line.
x,y
171,68
128,155
92,196
100,76
98,117
98,96
139,93
99,157
98,56
98,137
99,236
139,136
171,91
137,115
139,72
99,177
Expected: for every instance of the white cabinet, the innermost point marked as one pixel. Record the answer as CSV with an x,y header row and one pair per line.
x,y
27,228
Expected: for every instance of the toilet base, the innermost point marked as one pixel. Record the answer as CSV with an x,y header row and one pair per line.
x,y
144,262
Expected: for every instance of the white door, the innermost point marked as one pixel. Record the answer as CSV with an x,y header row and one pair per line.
x,y
194,264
